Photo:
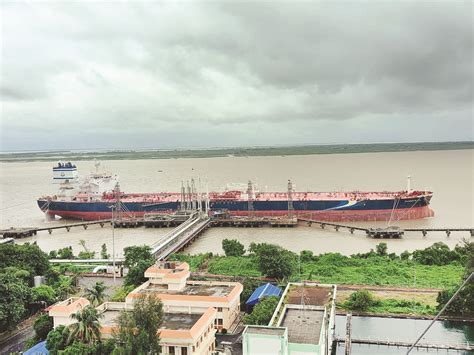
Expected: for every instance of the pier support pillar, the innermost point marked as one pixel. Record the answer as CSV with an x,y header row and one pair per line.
x,y
337,228
472,232
348,340
68,228
50,231
448,233
351,230
323,225
101,225
85,226
424,233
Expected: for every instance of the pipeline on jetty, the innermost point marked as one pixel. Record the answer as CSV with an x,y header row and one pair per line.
x,y
389,232
219,220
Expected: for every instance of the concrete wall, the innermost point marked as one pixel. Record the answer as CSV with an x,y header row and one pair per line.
x,y
264,344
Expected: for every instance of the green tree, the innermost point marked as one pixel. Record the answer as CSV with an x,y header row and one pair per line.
x,y
42,326
43,293
27,257
463,305
65,253
437,254
262,312
276,262
103,252
14,294
233,247
136,274
361,300
137,331
87,326
135,254
96,293
405,255
57,339
381,249
21,274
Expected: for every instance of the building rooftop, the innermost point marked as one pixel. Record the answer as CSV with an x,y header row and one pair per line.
x,y
172,321
255,329
190,290
309,295
304,324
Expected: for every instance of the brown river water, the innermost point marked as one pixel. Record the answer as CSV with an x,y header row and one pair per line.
x,y
450,174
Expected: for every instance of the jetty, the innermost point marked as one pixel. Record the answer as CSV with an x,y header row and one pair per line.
x,y
153,221
251,221
30,231
180,237
388,232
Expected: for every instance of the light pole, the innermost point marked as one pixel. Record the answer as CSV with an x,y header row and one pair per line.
x,y
113,243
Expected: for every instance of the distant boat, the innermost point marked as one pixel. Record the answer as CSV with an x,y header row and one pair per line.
x,y
160,171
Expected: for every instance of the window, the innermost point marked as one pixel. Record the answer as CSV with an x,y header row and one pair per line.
x,y
172,350
220,321
184,350
219,309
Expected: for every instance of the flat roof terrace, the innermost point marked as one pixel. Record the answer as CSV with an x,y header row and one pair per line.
x,y
309,295
190,290
255,329
304,324
172,321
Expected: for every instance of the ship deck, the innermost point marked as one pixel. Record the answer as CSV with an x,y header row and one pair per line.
x,y
274,196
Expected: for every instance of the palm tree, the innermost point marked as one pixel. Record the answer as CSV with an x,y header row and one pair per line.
x,y
96,293
87,326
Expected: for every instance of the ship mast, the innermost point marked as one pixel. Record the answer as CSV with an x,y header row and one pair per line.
x,y
290,198
250,198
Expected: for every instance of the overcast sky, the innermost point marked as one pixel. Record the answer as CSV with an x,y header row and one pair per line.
x,y
168,74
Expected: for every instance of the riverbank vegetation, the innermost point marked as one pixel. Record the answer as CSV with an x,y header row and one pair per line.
x,y
434,267
234,152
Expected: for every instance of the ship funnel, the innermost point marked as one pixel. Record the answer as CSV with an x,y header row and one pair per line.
x,y
64,172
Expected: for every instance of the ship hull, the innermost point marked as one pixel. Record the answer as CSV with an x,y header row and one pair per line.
x,y
332,210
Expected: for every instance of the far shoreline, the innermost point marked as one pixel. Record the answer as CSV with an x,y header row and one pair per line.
x,y
243,152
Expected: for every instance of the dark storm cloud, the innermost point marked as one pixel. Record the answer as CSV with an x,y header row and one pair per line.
x,y
211,73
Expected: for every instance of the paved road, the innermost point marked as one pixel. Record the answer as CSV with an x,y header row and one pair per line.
x,y
16,341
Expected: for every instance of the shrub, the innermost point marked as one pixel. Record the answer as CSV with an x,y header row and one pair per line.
x,y
42,326
381,249
233,247
56,339
361,300
262,312
43,293
306,256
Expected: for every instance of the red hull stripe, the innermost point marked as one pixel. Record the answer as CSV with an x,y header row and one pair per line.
x,y
332,216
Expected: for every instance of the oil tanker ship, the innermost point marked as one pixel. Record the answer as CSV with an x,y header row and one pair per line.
x,y
94,198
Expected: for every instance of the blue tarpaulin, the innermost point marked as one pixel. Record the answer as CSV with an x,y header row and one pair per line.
x,y
262,291
38,349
